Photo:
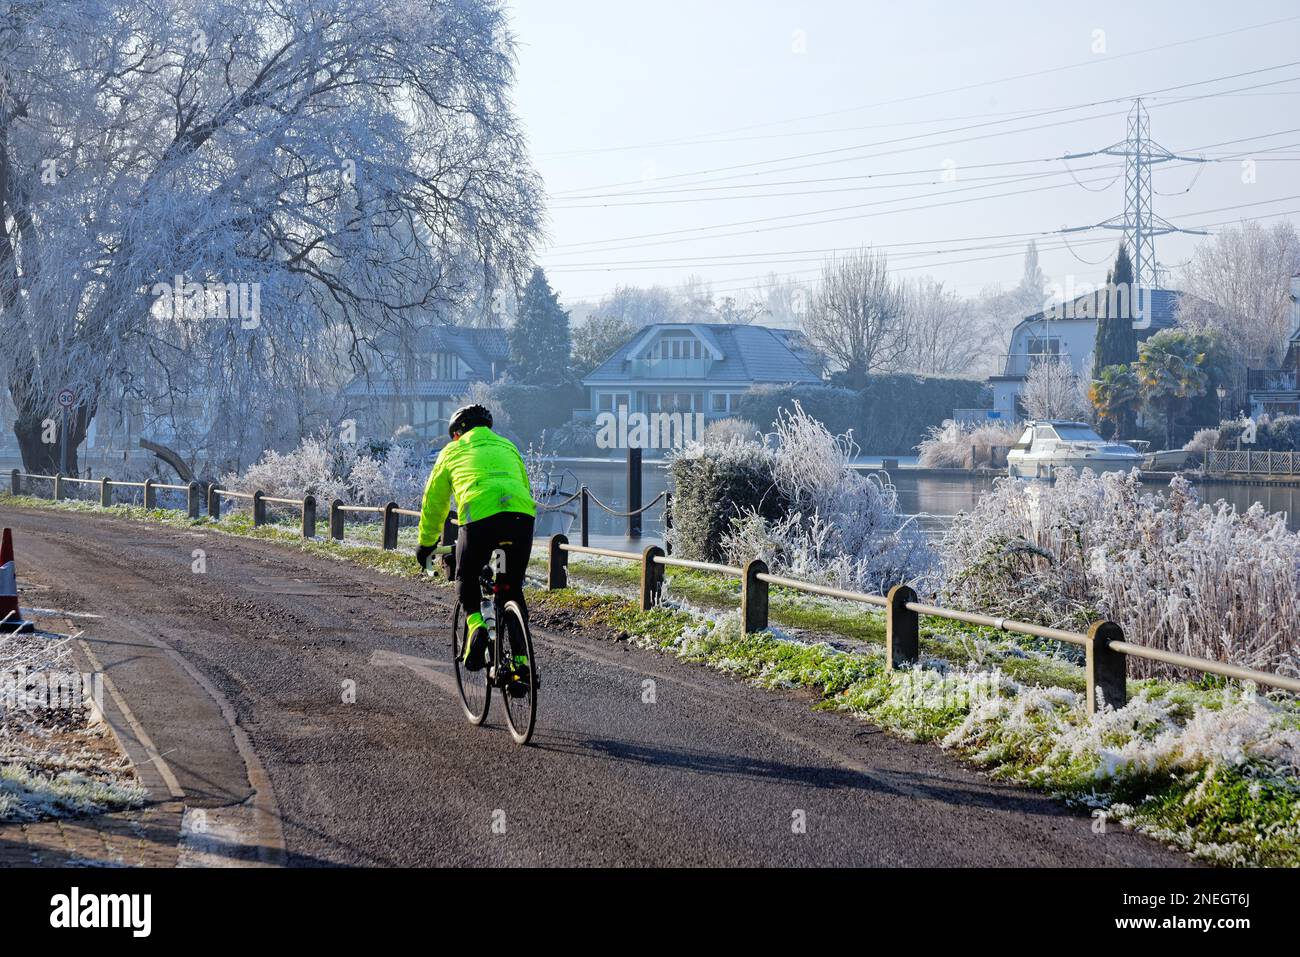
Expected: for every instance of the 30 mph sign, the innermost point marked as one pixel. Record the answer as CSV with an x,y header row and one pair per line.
x,y
66,398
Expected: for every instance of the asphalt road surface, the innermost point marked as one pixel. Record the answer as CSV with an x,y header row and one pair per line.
x,y
238,676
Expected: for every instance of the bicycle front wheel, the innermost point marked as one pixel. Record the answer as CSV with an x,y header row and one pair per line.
x,y
475,690
519,690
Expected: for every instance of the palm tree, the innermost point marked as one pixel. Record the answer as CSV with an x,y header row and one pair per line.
x,y
1116,394
1170,372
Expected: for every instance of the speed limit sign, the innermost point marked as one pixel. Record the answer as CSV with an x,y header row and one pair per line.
x,y
66,398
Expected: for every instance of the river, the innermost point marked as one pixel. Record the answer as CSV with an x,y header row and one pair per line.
x,y
933,499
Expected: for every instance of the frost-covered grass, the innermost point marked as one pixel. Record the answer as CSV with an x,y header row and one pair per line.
x,y
1215,771
54,761
1198,579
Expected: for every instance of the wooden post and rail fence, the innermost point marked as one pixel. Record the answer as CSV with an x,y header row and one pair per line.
x,y
1106,649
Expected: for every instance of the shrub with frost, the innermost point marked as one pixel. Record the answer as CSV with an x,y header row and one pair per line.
x,y
723,431
328,468
1176,573
1203,440
957,446
838,526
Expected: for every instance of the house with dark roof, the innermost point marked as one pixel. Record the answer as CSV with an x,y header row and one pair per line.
x,y
433,368
1067,332
697,367
1277,391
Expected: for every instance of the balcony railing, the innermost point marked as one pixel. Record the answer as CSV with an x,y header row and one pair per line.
x,y
671,368
1270,380
1020,364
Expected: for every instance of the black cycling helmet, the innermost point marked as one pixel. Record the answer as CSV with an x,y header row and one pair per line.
x,y
468,417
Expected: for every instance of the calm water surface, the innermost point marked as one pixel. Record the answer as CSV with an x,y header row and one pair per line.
x,y
934,499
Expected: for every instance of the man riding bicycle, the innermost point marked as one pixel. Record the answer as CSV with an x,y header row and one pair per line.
x,y
494,509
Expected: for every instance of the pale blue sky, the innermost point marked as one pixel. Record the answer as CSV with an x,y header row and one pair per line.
x,y
604,87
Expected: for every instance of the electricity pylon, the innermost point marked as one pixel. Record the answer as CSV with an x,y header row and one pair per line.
x,y
1139,221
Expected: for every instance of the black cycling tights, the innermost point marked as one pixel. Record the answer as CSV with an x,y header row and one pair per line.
x,y
474,546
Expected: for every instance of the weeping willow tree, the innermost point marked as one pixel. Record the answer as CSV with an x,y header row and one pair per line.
x,y
208,207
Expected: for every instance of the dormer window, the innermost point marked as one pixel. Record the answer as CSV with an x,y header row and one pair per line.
x,y
677,346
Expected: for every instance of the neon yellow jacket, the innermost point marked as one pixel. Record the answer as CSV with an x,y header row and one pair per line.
x,y
487,475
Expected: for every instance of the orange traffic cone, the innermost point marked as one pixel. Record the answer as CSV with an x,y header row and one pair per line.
x,y
11,617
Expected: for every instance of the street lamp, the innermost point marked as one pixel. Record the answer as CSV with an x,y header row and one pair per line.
x,y
1222,393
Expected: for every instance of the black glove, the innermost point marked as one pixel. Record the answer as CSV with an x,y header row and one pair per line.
x,y
422,555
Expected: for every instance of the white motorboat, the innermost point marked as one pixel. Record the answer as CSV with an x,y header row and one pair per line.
x,y
1048,445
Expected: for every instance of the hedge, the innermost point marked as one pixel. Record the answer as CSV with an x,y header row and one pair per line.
x,y
890,416
712,484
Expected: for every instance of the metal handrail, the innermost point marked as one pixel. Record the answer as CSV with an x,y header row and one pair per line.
x,y
1204,664
409,512
607,552
361,508
826,590
225,491
1001,624
702,566
283,501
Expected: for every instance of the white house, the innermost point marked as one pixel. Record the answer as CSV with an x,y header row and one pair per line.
x,y
1277,391
696,367
1066,333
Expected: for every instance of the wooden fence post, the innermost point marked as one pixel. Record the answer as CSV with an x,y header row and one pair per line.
x,y
753,597
259,508
902,629
15,481
105,492
58,486
192,494
557,564
1107,669
214,502
150,498
336,520
390,526
309,516
652,577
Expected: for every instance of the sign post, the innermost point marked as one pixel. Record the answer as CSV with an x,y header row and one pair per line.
x,y
66,399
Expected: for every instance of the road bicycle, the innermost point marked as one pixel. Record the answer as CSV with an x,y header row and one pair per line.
x,y
510,664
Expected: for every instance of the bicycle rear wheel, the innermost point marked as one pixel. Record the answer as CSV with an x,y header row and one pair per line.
x,y
519,692
475,691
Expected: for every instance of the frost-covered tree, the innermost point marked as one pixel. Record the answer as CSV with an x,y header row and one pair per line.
x,y
1238,284
208,200
856,319
1052,392
943,336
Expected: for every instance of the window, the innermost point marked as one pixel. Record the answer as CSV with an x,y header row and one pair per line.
x,y
1078,433
610,401
725,401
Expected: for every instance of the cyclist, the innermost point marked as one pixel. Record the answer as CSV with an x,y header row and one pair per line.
x,y
494,508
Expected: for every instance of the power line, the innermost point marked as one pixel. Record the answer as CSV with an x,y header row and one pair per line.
x,y
1094,61
958,129
603,245
1018,247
